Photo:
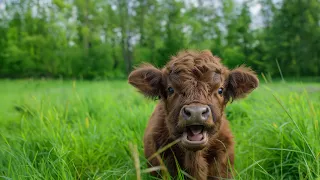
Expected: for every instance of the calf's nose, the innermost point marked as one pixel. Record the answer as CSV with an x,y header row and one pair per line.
x,y
195,113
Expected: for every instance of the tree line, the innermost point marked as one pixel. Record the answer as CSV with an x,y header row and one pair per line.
x,y
94,39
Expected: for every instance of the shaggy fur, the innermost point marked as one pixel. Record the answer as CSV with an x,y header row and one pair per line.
x,y
195,77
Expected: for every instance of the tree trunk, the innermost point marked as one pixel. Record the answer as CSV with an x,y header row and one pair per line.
x,y
143,5
125,34
129,53
86,22
114,56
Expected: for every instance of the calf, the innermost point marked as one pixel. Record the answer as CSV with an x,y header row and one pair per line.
x,y
194,88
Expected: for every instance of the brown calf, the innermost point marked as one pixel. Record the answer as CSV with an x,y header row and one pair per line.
x,y
194,88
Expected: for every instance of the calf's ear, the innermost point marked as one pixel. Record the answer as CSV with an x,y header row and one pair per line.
x,y
241,81
147,79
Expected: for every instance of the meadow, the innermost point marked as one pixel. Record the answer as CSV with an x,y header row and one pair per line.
x,y
89,130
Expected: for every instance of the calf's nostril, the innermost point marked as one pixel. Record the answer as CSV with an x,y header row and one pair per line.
x,y
186,113
205,112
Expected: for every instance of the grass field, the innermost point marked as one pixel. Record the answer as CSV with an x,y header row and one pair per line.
x,y
82,130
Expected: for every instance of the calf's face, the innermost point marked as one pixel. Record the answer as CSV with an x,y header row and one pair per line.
x,y
195,88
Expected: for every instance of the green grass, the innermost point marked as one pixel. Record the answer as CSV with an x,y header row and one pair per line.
x,y
83,130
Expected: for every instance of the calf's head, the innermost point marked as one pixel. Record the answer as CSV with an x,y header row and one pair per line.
x,y
194,88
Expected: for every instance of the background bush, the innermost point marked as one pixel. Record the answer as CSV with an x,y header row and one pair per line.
x,y
94,39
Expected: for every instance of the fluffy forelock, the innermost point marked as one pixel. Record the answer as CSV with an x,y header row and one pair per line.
x,y
193,65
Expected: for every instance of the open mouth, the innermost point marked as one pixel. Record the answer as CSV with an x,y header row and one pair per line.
x,y
195,133
194,137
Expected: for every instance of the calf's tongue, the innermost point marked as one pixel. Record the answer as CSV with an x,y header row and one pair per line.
x,y
195,133
196,129
195,137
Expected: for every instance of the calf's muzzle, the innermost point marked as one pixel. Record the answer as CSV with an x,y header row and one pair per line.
x,y
195,114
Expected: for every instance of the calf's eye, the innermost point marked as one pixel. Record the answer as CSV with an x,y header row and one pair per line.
x,y
170,90
220,90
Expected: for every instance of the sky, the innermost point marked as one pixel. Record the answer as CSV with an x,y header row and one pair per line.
x,y
1,5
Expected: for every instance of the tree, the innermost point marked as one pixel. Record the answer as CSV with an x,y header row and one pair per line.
x,y
294,36
95,39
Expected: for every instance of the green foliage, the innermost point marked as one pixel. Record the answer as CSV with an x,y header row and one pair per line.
x,y
293,35
97,39
80,130
233,57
